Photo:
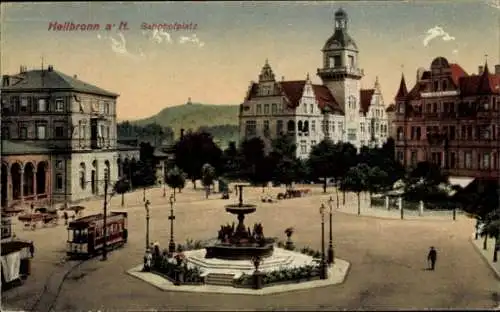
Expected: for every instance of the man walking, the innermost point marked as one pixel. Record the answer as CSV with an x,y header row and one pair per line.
x,y
432,257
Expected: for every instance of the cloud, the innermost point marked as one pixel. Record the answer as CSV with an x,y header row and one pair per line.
x,y
191,39
494,4
436,32
119,46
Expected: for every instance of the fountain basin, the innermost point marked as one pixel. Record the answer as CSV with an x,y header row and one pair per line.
x,y
241,208
240,251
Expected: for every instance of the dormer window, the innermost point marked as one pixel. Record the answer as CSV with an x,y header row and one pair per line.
x,y
436,86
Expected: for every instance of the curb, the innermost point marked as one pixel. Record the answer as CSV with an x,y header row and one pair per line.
x,y
484,257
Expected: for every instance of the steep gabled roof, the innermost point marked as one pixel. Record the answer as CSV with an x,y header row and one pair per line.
x,y
365,100
402,91
53,80
326,100
457,72
293,91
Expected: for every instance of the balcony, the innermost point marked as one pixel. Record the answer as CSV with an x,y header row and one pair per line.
x,y
341,70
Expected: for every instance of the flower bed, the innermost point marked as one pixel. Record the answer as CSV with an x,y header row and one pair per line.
x,y
172,271
281,277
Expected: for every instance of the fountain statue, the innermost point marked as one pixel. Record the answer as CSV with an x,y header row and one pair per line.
x,y
239,242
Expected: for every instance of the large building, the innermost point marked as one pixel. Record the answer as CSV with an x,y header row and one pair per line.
x,y
337,109
450,118
58,138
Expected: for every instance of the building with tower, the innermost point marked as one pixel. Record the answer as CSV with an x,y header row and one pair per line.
x,y
337,109
450,118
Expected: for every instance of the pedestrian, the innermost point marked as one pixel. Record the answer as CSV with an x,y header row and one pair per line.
x,y
32,249
431,258
65,218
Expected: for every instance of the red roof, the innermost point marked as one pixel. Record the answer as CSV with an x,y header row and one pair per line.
x,y
365,100
293,91
326,99
457,72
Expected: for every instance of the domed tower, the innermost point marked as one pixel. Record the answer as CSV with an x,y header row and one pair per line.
x,y
340,72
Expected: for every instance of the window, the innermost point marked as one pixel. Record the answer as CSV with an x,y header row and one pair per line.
x,y
266,109
313,143
362,127
428,108
494,103
468,160
42,105
469,132
303,147
108,132
451,134
434,107
274,108
351,134
107,108
24,105
453,160
14,103
41,132
311,108
59,164
444,85
23,132
341,127
351,61
266,128
313,126
486,161
59,105
436,85
259,109
331,62
413,159
59,182
400,134
59,132
333,127
463,134
279,127
5,133
250,128
83,181
337,61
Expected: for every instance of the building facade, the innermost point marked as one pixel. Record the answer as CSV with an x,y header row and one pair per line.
x,y
450,118
337,109
72,121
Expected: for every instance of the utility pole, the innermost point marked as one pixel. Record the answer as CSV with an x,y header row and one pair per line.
x,y
331,255
105,219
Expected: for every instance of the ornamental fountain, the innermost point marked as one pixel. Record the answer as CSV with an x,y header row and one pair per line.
x,y
240,242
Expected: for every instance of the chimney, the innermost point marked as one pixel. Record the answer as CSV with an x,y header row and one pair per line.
x,y
5,81
497,69
51,68
182,134
480,69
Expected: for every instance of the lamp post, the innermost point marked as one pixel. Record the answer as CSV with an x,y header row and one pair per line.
x,y
323,274
331,255
144,194
171,244
105,220
164,188
146,206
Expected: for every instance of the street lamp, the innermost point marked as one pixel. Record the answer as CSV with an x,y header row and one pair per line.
x,y
331,255
105,220
171,245
144,194
164,188
146,206
323,274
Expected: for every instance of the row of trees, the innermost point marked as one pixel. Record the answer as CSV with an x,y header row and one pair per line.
x,y
151,133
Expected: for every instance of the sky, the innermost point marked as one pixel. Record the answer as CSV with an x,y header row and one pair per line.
x,y
214,62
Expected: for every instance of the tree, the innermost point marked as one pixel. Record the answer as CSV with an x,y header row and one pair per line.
x,y
321,161
121,187
252,154
286,164
231,162
345,160
175,179
376,181
207,177
193,151
491,229
427,183
356,180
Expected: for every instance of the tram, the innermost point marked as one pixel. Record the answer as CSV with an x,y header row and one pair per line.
x,y
86,235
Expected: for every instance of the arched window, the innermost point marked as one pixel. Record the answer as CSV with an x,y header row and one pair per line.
x,y
299,125
83,183
291,126
305,128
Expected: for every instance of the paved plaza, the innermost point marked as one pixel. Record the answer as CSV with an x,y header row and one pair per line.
x,y
387,257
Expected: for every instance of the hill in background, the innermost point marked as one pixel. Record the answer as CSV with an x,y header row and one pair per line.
x,y
219,120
